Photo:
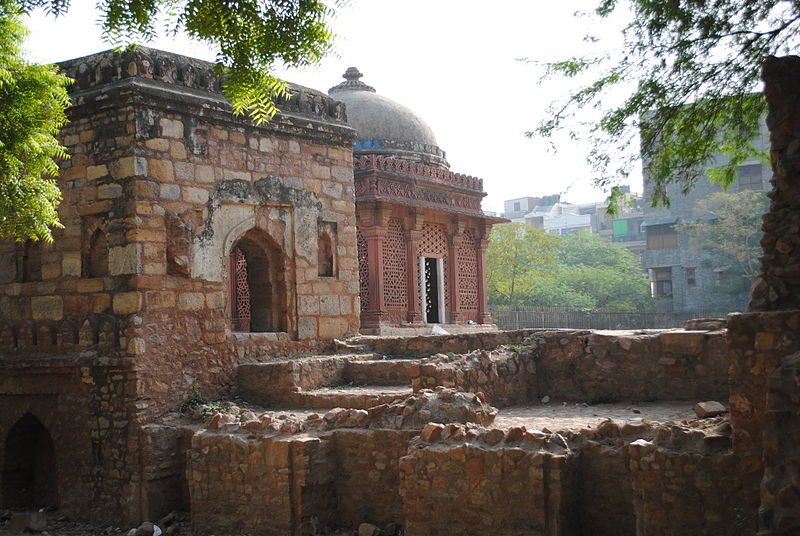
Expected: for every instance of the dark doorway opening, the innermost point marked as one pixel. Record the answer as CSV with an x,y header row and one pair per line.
x,y
431,291
29,466
258,287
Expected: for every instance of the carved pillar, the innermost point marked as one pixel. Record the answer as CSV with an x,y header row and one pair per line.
x,y
455,238
414,235
375,310
374,232
484,317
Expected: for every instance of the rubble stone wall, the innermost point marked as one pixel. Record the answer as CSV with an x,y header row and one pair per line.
x,y
778,285
88,408
273,484
758,342
261,485
576,365
368,476
780,487
474,488
163,470
605,490
690,483
426,345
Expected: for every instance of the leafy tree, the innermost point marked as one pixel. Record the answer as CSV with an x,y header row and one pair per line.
x,y
32,103
516,254
603,274
731,229
697,66
584,271
250,36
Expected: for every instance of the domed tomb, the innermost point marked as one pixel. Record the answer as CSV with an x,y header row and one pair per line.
x,y
384,126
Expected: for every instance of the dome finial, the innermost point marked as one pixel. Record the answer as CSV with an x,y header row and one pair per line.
x,y
351,82
352,73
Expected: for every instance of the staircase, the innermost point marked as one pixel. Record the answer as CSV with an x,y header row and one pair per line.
x,y
358,381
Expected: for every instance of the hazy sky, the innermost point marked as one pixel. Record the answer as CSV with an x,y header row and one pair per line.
x,y
454,63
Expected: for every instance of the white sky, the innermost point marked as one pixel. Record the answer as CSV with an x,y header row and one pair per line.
x,y
452,62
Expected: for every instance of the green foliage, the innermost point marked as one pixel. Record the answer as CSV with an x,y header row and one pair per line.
x,y
33,99
582,271
517,253
696,66
250,36
203,406
730,229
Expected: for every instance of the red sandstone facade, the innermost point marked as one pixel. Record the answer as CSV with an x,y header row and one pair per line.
x,y
422,234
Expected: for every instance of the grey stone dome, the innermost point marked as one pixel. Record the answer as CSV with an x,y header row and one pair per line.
x,y
384,126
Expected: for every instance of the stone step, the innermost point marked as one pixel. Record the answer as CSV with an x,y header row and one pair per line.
x,y
382,371
278,382
356,397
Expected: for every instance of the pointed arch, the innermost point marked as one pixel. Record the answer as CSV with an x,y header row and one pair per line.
x,y
30,476
258,287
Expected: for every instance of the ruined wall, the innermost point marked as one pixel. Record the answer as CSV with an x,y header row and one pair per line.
x,y
87,407
584,366
486,486
688,481
427,345
260,485
779,513
763,340
778,286
368,476
290,484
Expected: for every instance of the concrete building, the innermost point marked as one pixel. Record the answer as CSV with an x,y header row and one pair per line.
x,y
517,209
684,279
562,218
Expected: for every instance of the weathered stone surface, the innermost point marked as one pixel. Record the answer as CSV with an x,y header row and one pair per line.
x,y
711,408
565,365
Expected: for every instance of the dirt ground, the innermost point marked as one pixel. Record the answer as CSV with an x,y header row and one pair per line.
x,y
557,416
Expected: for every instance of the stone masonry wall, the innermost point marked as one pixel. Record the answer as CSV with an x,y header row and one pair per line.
x,y
778,284
256,485
779,513
192,181
584,366
484,486
88,408
295,484
56,308
688,482
368,476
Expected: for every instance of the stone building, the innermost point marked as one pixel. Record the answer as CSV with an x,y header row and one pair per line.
x,y
422,235
192,240
176,213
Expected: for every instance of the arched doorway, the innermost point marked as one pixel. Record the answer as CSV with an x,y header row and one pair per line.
x,y
29,466
257,285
